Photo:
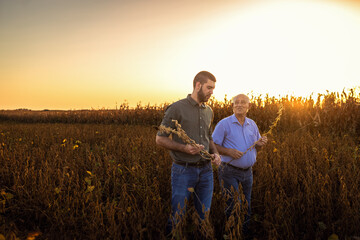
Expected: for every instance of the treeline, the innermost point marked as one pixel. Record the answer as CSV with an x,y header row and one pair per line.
x,y
335,113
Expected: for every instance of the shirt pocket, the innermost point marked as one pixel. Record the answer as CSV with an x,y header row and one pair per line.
x,y
253,138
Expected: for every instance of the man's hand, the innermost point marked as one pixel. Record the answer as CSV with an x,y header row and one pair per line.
x,y
193,150
215,159
262,141
234,153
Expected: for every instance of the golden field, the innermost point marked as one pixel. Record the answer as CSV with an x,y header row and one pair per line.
x,y
98,174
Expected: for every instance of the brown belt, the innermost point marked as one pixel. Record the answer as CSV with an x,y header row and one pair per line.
x,y
193,164
237,168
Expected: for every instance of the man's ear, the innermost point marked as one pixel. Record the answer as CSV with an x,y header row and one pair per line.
x,y
197,86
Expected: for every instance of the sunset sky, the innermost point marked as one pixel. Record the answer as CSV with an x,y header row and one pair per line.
x,y
83,54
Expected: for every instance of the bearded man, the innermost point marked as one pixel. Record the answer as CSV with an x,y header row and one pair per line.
x,y
190,171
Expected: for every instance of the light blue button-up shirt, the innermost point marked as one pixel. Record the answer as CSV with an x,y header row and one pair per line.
x,y
229,133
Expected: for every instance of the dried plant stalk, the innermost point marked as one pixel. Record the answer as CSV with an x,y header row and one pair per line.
x,y
183,136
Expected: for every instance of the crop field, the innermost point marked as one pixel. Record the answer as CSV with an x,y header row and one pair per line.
x,y
98,174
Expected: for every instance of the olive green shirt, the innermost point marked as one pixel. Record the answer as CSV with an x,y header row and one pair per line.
x,y
195,120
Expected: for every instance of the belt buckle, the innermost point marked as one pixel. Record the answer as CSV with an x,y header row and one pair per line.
x,y
200,163
197,164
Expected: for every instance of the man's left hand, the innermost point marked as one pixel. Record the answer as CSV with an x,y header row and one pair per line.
x,y
216,159
262,141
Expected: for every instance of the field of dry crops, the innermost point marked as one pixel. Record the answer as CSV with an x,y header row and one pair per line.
x,y
99,175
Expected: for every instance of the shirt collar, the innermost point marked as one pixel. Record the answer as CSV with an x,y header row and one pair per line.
x,y
193,102
235,120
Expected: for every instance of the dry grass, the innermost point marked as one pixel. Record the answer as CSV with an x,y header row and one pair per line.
x,y
111,181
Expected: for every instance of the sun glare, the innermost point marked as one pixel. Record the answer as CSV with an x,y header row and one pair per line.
x,y
285,47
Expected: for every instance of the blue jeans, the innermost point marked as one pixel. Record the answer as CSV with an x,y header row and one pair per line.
x,y
234,177
185,177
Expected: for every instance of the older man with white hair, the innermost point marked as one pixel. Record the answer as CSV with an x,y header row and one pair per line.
x,y
233,135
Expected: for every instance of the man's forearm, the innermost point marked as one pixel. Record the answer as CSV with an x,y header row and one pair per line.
x,y
213,147
222,150
170,144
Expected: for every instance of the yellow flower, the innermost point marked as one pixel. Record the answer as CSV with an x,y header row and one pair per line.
x,y
333,237
33,235
90,188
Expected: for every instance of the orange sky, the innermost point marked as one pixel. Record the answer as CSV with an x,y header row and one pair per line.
x,y
85,54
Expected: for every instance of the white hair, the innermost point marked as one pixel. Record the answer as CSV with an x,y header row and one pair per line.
x,y
239,95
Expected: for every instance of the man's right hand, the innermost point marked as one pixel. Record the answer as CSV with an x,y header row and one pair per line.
x,y
193,150
234,153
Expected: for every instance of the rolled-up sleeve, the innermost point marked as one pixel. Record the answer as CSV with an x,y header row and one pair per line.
x,y
167,120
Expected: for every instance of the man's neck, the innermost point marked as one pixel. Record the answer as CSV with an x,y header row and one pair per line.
x,y
241,119
195,97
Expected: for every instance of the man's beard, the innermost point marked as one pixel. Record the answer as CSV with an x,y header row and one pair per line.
x,y
202,97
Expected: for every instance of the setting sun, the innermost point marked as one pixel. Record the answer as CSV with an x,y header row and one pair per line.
x,y
285,48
